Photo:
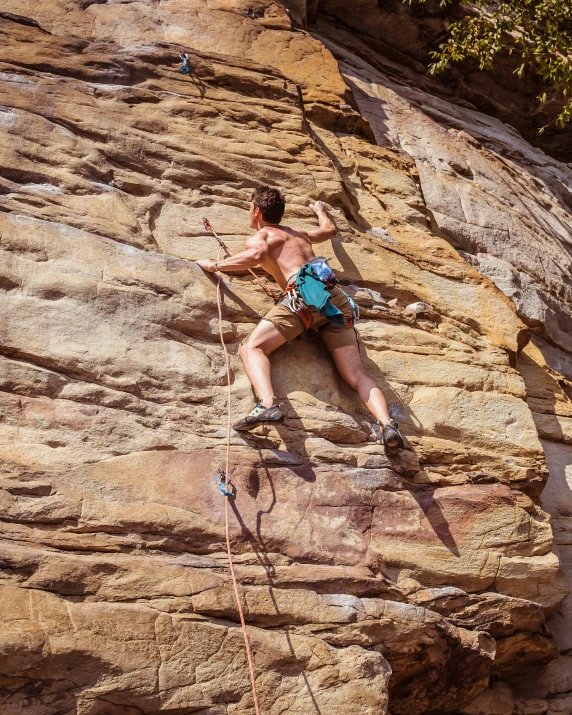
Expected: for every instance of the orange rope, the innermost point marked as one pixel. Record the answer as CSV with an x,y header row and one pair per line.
x,y
226,511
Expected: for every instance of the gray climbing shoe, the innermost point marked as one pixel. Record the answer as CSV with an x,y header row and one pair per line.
x,y
259,415
392,439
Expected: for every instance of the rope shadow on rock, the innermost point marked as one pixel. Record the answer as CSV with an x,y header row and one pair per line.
x,y
302,672
257,542
295,441
256,546
435,516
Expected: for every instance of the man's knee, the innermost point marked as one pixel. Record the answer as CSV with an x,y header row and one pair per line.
x,y
250,344
265,338
353,380
360,378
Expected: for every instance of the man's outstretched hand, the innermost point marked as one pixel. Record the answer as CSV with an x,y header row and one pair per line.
x,y
318,207
207,265
327,228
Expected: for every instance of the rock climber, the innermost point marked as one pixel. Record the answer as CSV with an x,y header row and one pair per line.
x,y
312,298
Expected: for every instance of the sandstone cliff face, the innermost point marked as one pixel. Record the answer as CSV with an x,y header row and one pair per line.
x,y
413,584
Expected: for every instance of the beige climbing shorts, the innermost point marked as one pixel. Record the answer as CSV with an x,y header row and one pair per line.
x,y
289,325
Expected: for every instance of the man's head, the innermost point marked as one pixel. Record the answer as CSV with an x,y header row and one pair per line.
x,y
267,206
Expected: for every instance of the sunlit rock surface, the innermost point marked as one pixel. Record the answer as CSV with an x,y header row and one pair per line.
x,y
412,584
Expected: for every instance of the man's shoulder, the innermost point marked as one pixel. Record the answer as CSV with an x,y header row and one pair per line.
x,y
293,232
278,232
260,235
283,233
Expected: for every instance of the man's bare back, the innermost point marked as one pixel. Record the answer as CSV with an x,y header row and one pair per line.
x,y
288,251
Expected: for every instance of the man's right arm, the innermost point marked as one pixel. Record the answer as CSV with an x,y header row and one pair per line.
x,y
327,229
256,251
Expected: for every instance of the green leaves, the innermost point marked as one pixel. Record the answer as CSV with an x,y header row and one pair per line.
x,y
540,30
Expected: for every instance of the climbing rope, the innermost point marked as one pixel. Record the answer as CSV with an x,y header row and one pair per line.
x,y
225,481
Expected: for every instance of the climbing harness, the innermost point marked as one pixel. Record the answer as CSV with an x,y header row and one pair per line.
x,y
292,300
324,273
224,480
209,227
297,297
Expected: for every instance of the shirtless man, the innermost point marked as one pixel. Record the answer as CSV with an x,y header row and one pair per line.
x,y
283,252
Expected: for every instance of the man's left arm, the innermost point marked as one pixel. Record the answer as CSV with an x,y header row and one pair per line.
x,y
327,230
255,252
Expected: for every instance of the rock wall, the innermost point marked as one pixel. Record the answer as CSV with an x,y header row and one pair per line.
x,y
411,584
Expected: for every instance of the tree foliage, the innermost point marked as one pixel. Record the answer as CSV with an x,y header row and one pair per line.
x,y
539,30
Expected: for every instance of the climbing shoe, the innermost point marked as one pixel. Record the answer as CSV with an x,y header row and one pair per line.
x,y
259,415
392,439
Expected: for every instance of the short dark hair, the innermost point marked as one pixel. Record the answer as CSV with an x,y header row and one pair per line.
x,y
270,202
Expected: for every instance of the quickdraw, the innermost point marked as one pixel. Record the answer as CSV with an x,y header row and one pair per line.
x,y
185,67
355,310
223,483
291,299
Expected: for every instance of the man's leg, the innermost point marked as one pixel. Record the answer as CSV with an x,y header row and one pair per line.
x,y
254,353
348,362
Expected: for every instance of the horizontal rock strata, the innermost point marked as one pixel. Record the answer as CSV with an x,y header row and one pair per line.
x,y
411,584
